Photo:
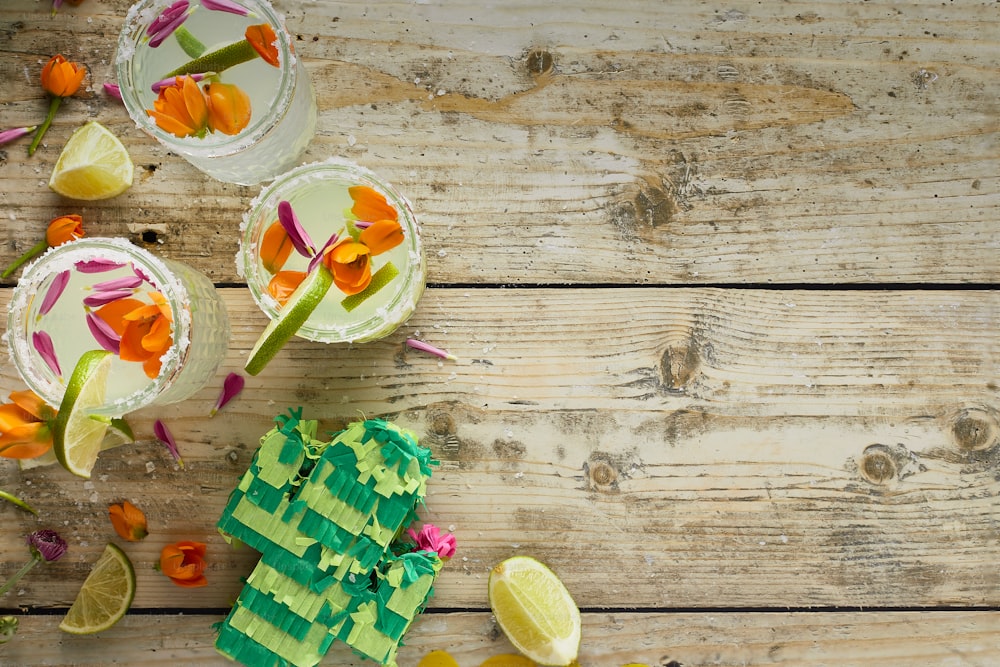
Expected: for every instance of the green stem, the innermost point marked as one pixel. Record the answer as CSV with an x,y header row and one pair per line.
x,y
53,108
11,498
189,43
219,60
35,559
36,249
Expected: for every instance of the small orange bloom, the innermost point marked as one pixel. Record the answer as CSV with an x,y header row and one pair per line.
x,y
370,205
228,108
146,335
264,42
181,109
62,78
63,230
128,520
184,563
25,426
350,264
284,283
275,248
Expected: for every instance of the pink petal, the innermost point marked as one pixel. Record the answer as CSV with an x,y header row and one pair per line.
x,y
101,298
231,387
165,24
163,434
360,224
142,274
170,81
296,233
43,345
97,266
103,333
54,292
318,257
224,6
112,90
10,135
430,349
125,282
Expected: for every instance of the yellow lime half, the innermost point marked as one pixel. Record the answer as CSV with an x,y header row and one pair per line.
x,y
293,315
535,611
93,165
105,596
76,437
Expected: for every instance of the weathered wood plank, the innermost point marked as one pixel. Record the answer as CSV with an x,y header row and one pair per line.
x,y
579,143
943,639
735,448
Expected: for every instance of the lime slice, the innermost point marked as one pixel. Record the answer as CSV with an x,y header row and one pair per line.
x,y
293,315
105,596
535,611
93,165
76,438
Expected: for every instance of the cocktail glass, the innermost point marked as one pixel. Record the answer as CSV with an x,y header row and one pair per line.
x,y
320,197
231,74
98,293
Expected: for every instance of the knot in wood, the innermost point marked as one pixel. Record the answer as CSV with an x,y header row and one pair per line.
x,y
975,429
679,364
878,465
442,423
539,62
602,474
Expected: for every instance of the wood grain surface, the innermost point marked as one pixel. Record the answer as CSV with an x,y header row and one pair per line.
x,y
721,280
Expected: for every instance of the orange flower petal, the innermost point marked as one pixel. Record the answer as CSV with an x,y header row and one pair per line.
x,y
64,229
228,108
181,109
158,340
26,442
350,264
151,367
284,283
13,416
275,248
114,313
382,236
33,404
128,521
184,563
263,40
131,348
62,78
370,205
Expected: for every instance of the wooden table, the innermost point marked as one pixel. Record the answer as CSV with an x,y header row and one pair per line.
x,y
722,284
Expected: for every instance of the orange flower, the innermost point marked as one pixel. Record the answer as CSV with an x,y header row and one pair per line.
x,y
128,520
351,266
382,236
228,108
181,109
62,78
284,283
263,40
275,247
370,205
146,333
184,563
63,230
25,425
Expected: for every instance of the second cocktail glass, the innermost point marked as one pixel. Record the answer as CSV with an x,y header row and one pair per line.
x,y
217,82
164,321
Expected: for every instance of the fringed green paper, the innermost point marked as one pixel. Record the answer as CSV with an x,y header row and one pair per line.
x,y
324,516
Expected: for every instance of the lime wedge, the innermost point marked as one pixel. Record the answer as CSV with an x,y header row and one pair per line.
x,y
76,438
293,315
105,596
92,165
535,611
119,433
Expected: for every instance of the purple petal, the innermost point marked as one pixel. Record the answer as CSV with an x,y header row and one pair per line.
x,y
172,80
46,350
163,434
103,333
54,292
56,4
231,386
48,544
165,24
101,298
296,233
112,90
319,256
142,274
125,282
10,135
224,6
97,266
361,224
430,349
